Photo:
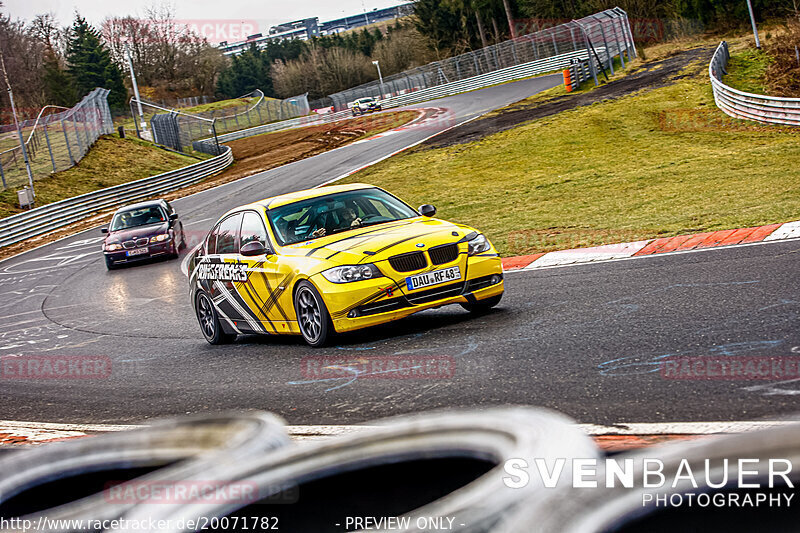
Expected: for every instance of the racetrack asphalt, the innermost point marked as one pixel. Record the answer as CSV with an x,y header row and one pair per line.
x,y
585,340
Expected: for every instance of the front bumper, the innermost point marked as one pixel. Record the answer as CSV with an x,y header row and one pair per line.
x,y
378,301
153,250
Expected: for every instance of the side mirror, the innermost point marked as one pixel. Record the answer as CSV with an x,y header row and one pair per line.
x,y
254,248
427,210
103,230
173,216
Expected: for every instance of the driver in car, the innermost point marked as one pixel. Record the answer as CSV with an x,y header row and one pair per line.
x,y
349,220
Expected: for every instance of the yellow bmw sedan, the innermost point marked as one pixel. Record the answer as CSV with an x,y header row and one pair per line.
x,y
335,259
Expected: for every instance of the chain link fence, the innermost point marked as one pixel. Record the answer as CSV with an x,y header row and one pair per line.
x,y
601,36
180,130
54,142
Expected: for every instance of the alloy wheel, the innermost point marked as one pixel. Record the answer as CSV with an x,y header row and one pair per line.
x,y
205,313
309,314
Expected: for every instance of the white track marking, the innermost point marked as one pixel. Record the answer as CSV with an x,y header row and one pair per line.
x,y
587,255
651,256
790,230
40,432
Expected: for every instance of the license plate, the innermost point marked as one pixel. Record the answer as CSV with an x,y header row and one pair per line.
x,y
138,251
434,277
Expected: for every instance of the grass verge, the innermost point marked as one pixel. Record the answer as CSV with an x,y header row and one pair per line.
x,y
747,70
658,163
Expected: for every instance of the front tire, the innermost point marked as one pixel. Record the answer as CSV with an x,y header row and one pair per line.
x,y
312,315
209,321
482,306
110,263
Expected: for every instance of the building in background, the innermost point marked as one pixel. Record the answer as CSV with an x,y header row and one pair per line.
x,y
307,28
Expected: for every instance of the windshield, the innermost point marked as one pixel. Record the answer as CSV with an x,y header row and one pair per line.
x,y
334,213
367,100
138,217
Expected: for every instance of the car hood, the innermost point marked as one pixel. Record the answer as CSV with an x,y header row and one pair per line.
x,y
137,232
379,242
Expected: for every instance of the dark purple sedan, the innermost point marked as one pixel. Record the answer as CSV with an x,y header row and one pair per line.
x,y
141,231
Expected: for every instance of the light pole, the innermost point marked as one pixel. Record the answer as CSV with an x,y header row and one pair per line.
x,y
380,77
753,22
135,89
16,123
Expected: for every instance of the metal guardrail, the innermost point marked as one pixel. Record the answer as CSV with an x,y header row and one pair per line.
x,y
749,106
53,216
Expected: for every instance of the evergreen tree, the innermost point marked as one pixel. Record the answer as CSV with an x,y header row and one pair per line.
x,y
248,71
90,66
57,83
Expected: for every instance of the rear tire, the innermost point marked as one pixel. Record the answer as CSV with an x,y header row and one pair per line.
x,y
209,321
312,315
482,306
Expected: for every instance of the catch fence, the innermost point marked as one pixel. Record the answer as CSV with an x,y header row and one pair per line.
x,y
180,130
54,141
599,37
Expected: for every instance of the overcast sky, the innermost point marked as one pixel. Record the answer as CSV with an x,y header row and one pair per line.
x,y
227,13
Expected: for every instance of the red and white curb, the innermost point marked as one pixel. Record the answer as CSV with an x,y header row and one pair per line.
x,y
615,437
678,244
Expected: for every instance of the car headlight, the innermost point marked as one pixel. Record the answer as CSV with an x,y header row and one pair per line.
x,y
113,247
350,273
160,238
478,244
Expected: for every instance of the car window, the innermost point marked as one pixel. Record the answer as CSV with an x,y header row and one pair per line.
x,y
142,216
211,240
253,229
228,236
333,213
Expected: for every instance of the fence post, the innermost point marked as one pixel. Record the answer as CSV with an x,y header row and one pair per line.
x,y
2,175
66,139
88,142
77,135
629,32
572,36
592,65
616,38
214,129
610,59
49,148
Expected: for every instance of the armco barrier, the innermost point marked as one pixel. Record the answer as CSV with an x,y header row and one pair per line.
x,y
748,106
59,214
